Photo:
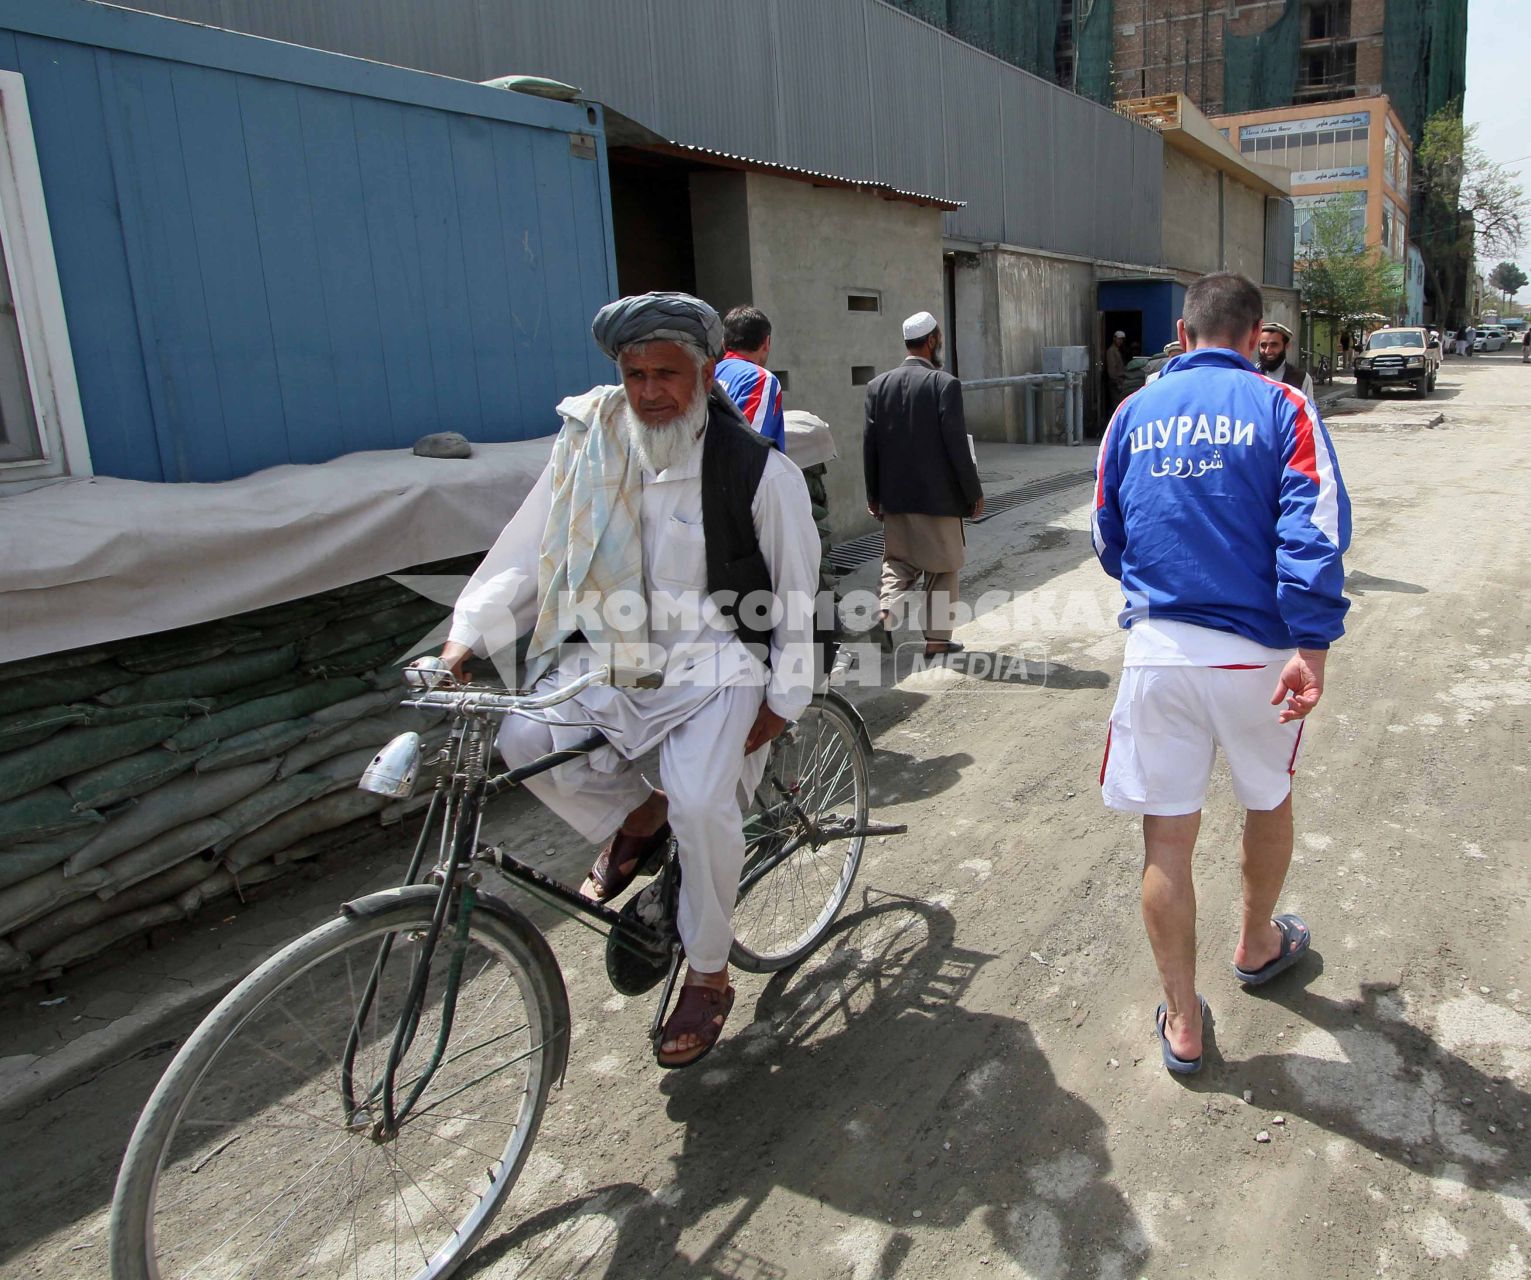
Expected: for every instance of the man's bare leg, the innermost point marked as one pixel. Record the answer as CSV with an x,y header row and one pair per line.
x,y
648,817
1267,855
1169,913
641,822
695,978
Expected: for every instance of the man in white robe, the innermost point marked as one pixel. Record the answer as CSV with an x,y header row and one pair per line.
x,y
721,705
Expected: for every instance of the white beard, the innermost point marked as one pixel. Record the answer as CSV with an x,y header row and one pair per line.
x,y
662,447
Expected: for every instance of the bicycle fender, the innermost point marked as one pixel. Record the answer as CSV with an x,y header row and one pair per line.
x,y
851,714
386,900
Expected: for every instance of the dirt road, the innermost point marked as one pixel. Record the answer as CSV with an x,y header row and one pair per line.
x,y
965,1082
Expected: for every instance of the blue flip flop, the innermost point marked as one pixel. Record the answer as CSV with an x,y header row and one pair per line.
x,y
1296,937
1179,1066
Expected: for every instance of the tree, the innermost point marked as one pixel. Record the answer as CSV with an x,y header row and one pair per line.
x,y
1468,206
1508,278
1337,275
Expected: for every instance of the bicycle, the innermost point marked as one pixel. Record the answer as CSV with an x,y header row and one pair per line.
x,y
379,1082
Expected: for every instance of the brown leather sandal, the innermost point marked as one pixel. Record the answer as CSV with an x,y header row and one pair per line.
x,y
622,860
699,1011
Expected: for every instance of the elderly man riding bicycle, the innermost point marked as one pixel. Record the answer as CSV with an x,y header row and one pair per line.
x,y
663,532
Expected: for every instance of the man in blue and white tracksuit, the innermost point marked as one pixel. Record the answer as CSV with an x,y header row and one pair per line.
x,y
1219,506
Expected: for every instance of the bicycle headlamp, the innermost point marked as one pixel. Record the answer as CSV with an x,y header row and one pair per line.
x,y
394,769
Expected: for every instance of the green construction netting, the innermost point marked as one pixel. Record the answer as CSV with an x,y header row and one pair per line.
x,y
1424,58
1093,46
1260,70
1023,33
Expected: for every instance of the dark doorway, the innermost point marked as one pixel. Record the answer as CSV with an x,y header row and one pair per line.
x,y
651,222
1128,322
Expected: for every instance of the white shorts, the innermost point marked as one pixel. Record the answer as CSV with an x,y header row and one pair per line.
x,y
1168,723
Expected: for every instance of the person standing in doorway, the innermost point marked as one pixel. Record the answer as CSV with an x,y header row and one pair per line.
x,y
743,375
1525,346
921,480
1227,533
1344,348
1115,371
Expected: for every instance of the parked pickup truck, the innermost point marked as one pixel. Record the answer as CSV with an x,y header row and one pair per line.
x,y
1398,358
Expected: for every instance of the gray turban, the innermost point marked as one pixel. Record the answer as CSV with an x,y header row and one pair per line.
x,y
658,317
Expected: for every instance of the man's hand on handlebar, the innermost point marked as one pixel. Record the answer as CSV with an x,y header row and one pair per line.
x,y
454,656
766,727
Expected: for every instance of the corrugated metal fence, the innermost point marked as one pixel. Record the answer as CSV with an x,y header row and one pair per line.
x,y
853,87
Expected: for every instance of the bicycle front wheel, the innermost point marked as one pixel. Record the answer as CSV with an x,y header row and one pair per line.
x,y
804,839
262,1152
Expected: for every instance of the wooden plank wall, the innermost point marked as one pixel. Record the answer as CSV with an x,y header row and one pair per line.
x,y
257,271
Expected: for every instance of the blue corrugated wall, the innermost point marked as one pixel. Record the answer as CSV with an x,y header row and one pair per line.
x,y
269,254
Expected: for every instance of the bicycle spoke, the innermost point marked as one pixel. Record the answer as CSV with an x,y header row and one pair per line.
x,y
261,1106
801,867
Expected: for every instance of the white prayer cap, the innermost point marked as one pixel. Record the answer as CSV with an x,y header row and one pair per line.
x,y
1118,334
920,325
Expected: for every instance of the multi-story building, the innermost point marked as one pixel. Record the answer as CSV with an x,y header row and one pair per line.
x,y
1251,55
1357,152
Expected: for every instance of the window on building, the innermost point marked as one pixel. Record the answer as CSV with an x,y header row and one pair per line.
x,y
861,374
1305,210
1310,147
1325,19
868,301
41,432
783,377
1390,158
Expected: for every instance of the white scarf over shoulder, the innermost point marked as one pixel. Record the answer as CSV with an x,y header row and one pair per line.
x,y
592,546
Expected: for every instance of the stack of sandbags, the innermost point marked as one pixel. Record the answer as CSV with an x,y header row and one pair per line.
x,y
143,778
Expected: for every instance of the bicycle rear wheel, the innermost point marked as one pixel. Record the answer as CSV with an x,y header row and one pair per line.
x,y
803,843
248,1159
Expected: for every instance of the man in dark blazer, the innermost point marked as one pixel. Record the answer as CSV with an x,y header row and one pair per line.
x,y
921,481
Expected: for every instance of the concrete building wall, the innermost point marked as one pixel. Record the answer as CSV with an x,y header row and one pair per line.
x,y
1243,230
720,228
809,248
1026,301
1284,305
1190,214
1194,195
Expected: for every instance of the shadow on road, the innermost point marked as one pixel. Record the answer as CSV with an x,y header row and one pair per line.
x,y
862,1085
1359,583
1363,1072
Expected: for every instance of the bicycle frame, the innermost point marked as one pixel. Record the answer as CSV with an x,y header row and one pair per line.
x,y
462,795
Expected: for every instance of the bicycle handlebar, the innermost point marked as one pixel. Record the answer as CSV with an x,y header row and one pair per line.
x,y
438,690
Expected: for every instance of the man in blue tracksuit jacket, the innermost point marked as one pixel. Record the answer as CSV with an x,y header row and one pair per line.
x,y
1219,506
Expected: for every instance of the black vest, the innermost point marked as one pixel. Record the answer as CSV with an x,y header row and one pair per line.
x,y
734,458
1293,375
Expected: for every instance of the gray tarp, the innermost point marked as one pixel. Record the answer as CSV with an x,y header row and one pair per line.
x,y
93,560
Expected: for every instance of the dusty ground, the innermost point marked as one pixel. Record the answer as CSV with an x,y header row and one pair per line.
x,y
966,1081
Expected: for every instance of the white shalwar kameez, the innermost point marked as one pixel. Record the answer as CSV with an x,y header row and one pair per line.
x,y
699,719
